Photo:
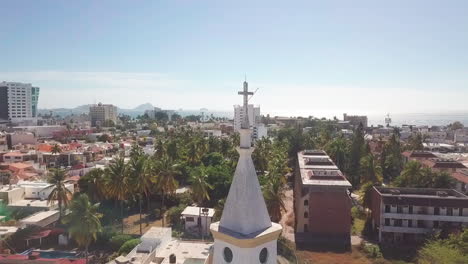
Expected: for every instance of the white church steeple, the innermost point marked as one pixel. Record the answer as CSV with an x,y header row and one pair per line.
x,y
245,233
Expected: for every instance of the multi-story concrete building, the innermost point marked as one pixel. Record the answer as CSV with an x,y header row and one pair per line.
x,y
409,214
101,113
321,201
254,118
355,120
18,102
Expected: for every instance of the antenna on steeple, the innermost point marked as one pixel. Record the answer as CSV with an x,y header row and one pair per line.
x,y
253,94
245,77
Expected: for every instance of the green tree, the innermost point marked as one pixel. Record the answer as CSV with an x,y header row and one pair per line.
x,y
417,176
338,149
370,170
141,179
273,192
83,222
56,149
415,142
118,184
93,184
166,171
356,151
411,176
59,193
391,160
199,188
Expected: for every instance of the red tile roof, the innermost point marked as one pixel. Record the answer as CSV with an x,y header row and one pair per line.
x,y
461,177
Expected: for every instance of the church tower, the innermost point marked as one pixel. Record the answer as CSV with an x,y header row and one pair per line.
x,y
245,233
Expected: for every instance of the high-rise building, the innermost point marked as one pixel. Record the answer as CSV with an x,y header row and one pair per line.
x,y
355,120
245,233
101,113
253,115
18,101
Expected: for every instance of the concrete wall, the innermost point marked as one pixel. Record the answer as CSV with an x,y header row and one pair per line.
x,y
39,191
193,225
11,196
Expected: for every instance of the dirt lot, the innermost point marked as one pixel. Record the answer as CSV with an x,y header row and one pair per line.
x,y
354,257
132,226
287,219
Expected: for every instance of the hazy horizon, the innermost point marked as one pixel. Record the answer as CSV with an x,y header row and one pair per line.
x,y
328,58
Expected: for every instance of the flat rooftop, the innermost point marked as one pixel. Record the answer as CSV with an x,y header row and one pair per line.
x,y
420,193
32,203
184,250
193,210
40,216
318,169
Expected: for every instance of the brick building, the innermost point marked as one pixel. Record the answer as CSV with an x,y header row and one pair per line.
x,y
321,200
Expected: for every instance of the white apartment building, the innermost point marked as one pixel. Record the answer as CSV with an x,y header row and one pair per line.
x,y
259,130
101,113
409,214
18,102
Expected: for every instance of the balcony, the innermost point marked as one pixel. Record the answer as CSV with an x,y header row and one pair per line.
x,y
412,230
427,217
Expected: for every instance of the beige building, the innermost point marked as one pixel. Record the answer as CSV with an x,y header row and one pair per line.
x,y
101,113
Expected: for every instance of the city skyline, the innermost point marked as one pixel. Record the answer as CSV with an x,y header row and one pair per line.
x,y
313,58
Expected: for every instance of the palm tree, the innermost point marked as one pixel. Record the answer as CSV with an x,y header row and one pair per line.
x,y
366,192
337,149
93,183
274,198
56,149
59,192
83,221
370,170
141,179
411,174
199,187
118,183
166,183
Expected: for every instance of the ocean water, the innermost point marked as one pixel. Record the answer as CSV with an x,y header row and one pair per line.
x,y
416,119
419,119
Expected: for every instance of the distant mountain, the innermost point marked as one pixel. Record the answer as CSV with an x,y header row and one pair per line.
x,y
143,107
84,109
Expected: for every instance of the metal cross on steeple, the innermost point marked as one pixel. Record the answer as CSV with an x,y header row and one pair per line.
x,y
245,93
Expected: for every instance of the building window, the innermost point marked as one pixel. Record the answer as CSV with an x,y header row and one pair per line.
x,y
387,208
398,222
387,221
436,211
410,223
306,215
306,202
263,257
306,228
436,224
410,209
227,254
399,209
460,212
421,224
189,219
450,211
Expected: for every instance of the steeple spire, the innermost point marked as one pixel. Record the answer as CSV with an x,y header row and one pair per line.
x,y
245,210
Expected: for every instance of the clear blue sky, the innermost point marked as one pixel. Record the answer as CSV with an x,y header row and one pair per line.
x,y
307,57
